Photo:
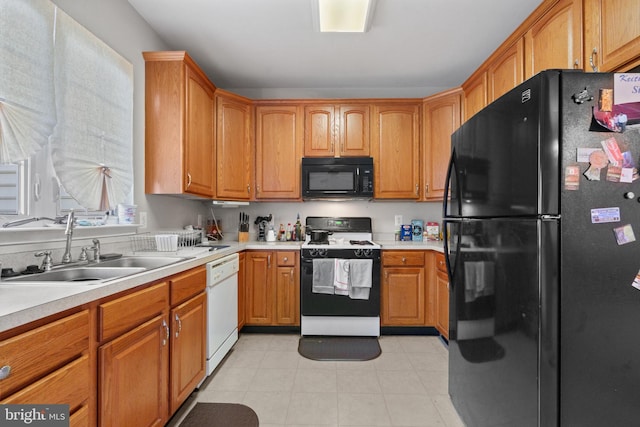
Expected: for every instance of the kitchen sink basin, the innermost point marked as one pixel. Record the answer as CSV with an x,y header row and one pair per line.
x,y
77,274
96,273
146,262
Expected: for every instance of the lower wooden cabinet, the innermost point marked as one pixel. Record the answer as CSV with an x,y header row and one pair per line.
x,y
441,286
158,355
403,298
272,285
51,364
241,292
134,376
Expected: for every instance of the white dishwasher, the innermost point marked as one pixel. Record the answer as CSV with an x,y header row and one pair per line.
x,y
222,308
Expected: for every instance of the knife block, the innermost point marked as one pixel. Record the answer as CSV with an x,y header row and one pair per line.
x,y
243,236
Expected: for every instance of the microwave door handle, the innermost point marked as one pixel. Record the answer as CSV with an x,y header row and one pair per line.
x,y
357,186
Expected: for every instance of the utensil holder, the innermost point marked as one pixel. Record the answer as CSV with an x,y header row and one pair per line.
x,y
243,236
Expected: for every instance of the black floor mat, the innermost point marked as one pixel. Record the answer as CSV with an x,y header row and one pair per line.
x,y
220,415
339,348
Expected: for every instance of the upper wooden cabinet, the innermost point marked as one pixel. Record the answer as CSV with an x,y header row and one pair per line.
x,y
441,117
234,147
612,35
279,139
506,71
555,40
395,148
179,126
336,130
475,93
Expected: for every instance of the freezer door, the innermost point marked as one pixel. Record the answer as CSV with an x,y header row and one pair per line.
x,y
494,321
500,152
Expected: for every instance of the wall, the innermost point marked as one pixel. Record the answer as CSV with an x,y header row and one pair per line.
x,y
382,214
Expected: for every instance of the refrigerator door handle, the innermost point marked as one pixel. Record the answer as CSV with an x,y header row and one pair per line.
x,y
445,237
450,169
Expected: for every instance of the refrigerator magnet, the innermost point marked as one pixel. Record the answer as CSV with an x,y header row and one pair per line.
x,y
604,215
572,177
624,234
598,160
636,281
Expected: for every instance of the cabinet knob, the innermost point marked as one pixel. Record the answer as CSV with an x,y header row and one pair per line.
x,y
5,371
404,260
188,180
166,329
285,259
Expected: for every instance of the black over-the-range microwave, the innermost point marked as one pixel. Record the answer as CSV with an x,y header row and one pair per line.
x,y
337,178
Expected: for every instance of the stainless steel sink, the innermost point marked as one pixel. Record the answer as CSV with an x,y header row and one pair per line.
x,y
96,273
146,262
77,274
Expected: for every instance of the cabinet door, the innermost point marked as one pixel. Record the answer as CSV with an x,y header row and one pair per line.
x,y
506,71
188,348
396,151
234,158
612,35
134,377
199,157
287,296
353,130
555,40
258,279
403,296
279,139
441,118
442,303
319,131
475,94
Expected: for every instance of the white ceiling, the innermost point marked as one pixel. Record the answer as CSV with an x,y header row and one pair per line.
x,y
264,47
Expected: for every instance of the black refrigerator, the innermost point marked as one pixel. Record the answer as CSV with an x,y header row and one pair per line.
x,y
542,257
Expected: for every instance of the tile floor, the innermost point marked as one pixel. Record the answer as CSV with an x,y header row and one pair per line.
x,y
405,386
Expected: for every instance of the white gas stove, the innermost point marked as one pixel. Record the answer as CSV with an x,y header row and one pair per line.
x,y
324,312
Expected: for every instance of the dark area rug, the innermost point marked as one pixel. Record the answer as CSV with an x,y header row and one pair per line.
x,y
339,348
220,415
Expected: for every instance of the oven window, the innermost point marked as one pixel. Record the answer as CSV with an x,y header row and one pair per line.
x,y
336,180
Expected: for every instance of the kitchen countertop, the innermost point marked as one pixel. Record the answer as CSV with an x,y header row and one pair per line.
x,y
23,303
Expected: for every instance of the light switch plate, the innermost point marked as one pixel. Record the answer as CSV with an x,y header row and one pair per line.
x,y
398,220
143,220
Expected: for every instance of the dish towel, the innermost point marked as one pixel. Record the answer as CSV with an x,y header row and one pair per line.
x,y
322,282
478,279
360,275
341,276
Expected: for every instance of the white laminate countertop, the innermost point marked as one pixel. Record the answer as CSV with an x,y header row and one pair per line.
x,y
24,303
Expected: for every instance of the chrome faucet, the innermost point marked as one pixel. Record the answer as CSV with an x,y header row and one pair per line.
x,y
96,250
66,258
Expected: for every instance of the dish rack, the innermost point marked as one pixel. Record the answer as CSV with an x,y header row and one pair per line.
x,y
166,241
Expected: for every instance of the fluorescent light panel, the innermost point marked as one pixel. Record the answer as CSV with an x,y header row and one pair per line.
x,y
343,16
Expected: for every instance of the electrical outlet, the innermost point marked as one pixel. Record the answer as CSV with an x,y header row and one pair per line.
x,y
143,220
398,220
199,221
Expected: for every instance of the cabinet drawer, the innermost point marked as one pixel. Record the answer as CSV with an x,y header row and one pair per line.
x,y
122,314
403,258
188,284
287,258
80,418
441,264
68,385
34,354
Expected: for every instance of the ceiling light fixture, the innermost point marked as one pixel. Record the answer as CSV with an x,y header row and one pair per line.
x,y
345,16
